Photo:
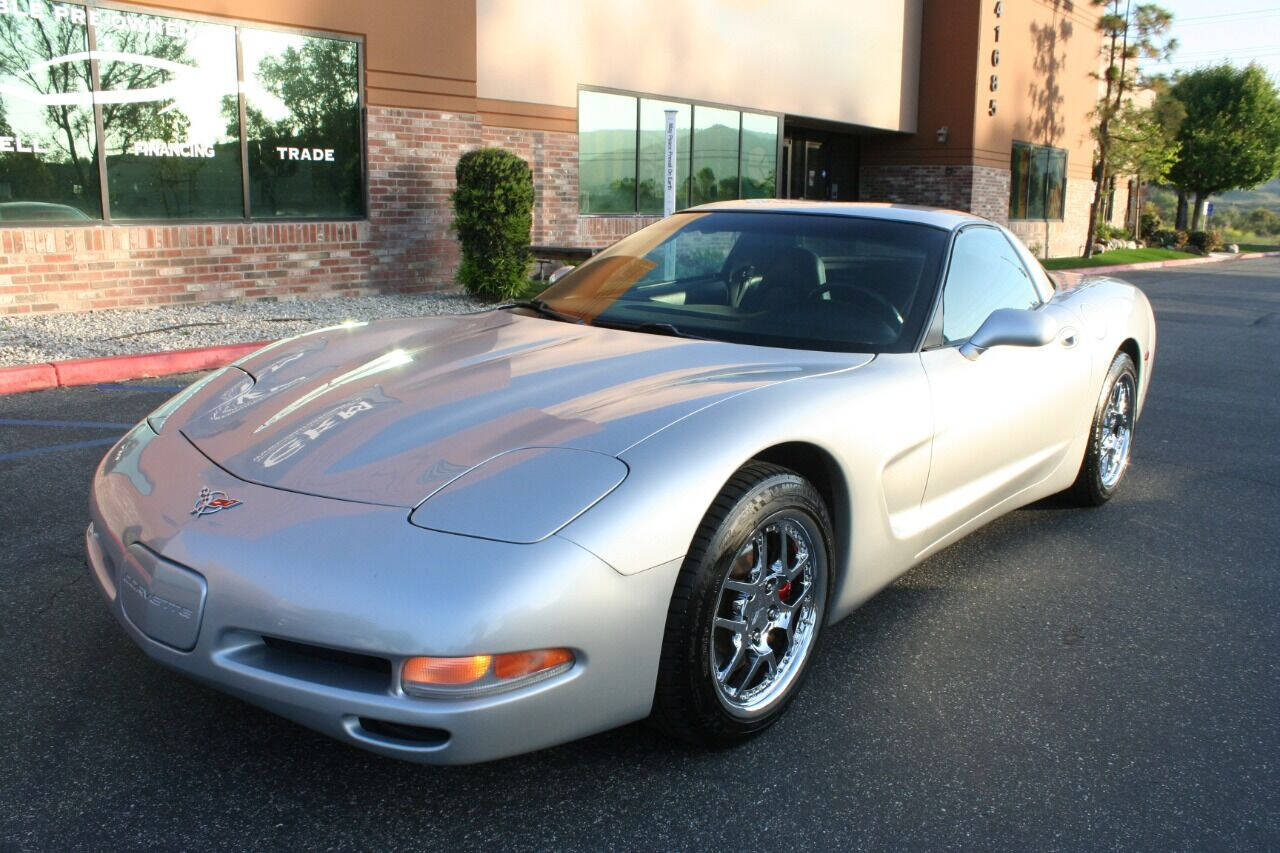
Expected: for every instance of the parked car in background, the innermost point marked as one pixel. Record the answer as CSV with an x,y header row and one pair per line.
x,y
37,211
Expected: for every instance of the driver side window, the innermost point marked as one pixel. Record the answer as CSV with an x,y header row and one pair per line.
x,y
985,274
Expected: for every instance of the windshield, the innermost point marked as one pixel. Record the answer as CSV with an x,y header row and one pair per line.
x,y
800,281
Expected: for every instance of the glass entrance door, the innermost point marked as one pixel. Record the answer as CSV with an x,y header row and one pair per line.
x,y
820,165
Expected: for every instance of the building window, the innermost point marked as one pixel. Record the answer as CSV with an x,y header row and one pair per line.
x,y
48,148
171,153
715,154
720,153
606,152
1038,181
759,166
170,117
302,120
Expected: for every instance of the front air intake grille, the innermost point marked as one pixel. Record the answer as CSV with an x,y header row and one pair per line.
x,y
319,664
370,663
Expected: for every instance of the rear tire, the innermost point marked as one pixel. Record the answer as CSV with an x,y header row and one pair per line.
x,y
747,609
1106,458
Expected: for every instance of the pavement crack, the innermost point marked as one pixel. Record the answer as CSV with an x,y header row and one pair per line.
x,y
76,578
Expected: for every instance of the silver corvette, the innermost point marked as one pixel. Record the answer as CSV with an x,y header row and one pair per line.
x,y
644,494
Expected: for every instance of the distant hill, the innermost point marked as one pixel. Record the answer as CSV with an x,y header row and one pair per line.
x,y
1267,195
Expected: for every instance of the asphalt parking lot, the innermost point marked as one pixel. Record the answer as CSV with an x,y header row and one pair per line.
x,y
1062,679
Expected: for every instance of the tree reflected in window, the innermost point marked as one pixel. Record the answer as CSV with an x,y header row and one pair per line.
x,y
302,116
165,83
48,155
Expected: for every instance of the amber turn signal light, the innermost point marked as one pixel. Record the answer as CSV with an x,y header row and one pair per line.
x,y
446,670
480,674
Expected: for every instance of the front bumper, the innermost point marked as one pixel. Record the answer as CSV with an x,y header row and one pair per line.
x,y
308,606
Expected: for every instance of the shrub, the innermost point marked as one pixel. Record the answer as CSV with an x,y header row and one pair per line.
x,y
1112,232
493,215
1163,237
1151,221
1206,241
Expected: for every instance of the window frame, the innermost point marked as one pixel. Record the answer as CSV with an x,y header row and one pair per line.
x,y
1033,149
933,338
693,103
237,24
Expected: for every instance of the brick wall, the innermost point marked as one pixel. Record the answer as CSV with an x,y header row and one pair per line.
x,y
1065,238
984,190
402,246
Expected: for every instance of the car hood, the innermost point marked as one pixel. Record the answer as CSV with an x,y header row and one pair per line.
x,y
389,412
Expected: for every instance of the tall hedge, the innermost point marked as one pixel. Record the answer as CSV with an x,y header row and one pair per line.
x,y
493,214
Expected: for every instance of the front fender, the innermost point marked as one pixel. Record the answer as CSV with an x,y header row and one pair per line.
x,y
874,423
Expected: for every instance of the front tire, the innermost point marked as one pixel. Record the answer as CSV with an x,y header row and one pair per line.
x,y
747,609
1106,458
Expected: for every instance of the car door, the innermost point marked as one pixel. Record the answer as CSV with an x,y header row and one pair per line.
x,y
1005,420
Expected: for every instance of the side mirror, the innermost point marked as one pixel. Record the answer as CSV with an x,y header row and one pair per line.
x,y
1013,327
559,273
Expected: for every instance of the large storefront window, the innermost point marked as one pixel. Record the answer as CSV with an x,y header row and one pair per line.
x,y
715,154
759,155
170,116
720,153
606,152
167,86
48,150
303,125
1038,179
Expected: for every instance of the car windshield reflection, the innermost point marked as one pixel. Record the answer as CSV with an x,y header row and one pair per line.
x,y
802,281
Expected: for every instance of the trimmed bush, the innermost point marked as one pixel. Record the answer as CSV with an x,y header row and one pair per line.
x,y
1151,221
1106,232
1206,241
493,215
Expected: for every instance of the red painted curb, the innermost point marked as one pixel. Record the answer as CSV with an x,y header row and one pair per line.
x,y
118,368
27,377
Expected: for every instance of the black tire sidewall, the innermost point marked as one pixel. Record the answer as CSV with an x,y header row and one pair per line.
x,y
774,495
1089,486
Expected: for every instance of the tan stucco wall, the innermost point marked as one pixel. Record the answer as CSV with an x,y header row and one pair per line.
x,y
854,62
1046,91
418,53
1048,49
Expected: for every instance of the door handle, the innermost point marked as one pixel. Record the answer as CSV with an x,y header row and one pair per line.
x,y
1067,337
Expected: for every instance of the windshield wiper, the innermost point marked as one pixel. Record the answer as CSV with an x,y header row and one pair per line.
x,y
651,328
542,308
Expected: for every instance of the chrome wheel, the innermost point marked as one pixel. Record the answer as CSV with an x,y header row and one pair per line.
x,y
766,614
1117,432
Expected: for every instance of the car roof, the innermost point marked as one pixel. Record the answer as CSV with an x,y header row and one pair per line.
x,y
936,216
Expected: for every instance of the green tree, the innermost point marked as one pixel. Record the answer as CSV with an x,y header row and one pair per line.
x,y
1231,136
1263,222
1130,33
1144,142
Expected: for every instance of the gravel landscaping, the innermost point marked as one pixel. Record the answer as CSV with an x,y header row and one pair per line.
x,y
55,337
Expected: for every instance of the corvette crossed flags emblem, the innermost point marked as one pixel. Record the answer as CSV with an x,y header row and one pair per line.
x,y
211,501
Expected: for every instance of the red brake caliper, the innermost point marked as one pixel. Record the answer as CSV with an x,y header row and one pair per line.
x,y
784,592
